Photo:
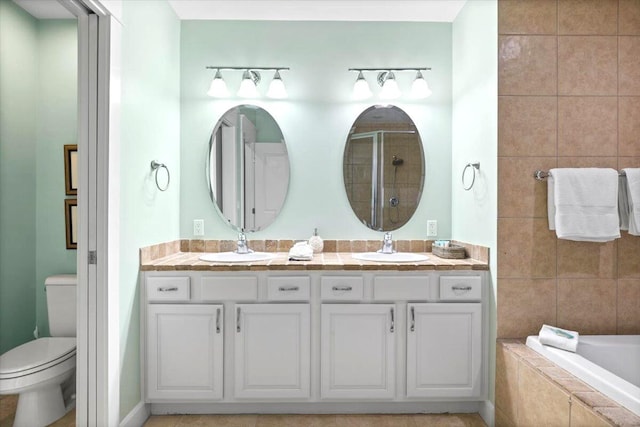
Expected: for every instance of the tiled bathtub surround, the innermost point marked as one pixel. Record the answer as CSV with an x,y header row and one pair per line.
x,y
569,96
532,391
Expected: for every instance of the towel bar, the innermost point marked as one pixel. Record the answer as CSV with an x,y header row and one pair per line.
x,y
541,175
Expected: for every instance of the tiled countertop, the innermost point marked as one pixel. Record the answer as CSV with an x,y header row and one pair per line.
x,y
324,261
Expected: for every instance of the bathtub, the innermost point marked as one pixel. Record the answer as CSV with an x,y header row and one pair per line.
x,y
608,363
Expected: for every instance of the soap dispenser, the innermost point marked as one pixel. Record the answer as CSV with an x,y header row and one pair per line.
x,y
316,242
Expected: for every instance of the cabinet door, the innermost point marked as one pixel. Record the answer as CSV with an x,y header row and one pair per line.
x,y
272,351
444,350
358,351
184,352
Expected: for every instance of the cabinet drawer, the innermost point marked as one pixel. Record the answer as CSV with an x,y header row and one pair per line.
x,y
288,288
460,288
221,288
392,288
341,288
161,289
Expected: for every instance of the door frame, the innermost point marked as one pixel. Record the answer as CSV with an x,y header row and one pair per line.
x,y
98,349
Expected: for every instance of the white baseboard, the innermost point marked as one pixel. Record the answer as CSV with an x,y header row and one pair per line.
x,y
137,416
488,413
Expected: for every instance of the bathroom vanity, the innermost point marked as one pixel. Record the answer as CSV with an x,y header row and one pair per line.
x,y
333,335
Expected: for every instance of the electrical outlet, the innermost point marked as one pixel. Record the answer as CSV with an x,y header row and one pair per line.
x,y
198,227
432,228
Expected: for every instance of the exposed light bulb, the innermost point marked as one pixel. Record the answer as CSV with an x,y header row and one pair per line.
x,y
390,89
276,87
420,88
218,88
248,87
361,89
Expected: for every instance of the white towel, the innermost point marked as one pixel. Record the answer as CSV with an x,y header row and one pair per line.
x,y
301,251
559,338
633,199
583,204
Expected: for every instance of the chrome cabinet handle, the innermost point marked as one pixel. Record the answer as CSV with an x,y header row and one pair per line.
x,y
238,319
413,319
461,288
217,321
393,325
342,288
288,288
171,289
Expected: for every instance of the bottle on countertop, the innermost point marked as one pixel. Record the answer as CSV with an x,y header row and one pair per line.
x,y
316,242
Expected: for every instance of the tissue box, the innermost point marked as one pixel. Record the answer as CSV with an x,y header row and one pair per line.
x,y
452,251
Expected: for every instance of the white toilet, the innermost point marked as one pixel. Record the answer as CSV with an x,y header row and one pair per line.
x,y
42,371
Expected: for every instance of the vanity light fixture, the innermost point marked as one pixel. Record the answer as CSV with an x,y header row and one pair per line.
x,y
420,88
218,88
390,89
386,78
361,89
276,87
249,84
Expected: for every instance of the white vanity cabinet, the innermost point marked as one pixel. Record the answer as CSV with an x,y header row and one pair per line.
x,y
184,352
314,341
272,351
357,351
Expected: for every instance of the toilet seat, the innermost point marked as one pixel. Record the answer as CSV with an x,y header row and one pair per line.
x,y
36,356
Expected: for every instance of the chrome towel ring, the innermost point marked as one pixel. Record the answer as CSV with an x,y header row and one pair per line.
x,y
155,166
474,167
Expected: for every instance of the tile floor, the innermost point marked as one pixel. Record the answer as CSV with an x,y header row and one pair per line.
x,y
8,408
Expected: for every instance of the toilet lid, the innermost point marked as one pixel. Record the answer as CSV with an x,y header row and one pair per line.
x,y
36,354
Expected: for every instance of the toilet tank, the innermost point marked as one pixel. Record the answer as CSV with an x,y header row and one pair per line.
x,y
61,304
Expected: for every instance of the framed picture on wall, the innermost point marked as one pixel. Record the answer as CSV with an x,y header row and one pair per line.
x,y
71,169
71,222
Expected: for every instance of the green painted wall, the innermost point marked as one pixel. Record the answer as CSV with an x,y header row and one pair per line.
x,y
475,137
18,89
38,116
316,118
150,130
56,126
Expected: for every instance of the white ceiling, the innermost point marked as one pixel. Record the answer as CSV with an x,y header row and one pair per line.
x,y
287,10
319,10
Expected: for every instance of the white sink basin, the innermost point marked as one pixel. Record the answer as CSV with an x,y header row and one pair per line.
x,y
236,257
394,257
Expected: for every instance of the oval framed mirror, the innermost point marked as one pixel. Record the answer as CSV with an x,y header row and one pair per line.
x,y
247,168
383,167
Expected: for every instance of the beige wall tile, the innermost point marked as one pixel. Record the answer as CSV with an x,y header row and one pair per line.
x,y
527,17
587,306
587,126
587,17
582,416
527,125
629,307
527,65
629,21
541,403
506,398
526,248
629,64
620,416
628,162
629,125
519,194
524,306
586,260
628,259
587,162
587,65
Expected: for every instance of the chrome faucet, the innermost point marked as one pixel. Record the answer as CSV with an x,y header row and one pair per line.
x,y
387,244
243,247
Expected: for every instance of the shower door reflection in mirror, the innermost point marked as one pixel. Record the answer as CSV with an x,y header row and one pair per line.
x,y
248,168
383,168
